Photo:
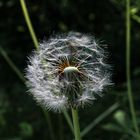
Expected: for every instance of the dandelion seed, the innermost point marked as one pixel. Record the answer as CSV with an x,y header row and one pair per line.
x,y
67,71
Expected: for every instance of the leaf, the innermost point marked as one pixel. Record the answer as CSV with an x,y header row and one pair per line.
x,y
113,127
119,116
26,129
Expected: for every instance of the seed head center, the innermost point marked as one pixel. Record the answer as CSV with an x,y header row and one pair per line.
x,y
70,69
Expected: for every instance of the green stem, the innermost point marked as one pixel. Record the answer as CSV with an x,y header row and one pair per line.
x,y
128,47
28,22
48,119
61,134
136,18
99,119
11,64
68,119
76,124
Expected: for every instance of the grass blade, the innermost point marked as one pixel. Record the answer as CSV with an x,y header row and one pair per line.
x,y
128,48
99,119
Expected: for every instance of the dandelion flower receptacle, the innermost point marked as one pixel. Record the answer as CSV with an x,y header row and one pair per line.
x,y
67,71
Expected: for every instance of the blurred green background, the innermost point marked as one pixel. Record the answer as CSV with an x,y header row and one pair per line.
x,y
110,118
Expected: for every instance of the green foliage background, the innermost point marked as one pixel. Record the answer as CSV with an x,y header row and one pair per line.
x,y
20,117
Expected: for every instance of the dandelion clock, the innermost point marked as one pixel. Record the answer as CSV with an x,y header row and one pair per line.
x,y
66,72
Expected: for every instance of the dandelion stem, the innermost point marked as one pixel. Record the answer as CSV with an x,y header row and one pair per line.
x,y
28,22
68,119
61,134
48,119
128,47
76,124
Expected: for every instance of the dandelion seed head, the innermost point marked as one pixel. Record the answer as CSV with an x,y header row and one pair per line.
x,y
67,71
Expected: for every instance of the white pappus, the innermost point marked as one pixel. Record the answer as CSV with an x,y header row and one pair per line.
x,y
67,71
